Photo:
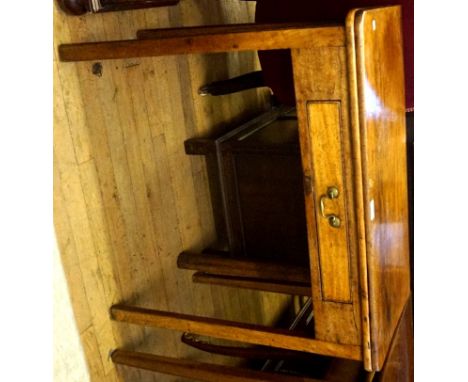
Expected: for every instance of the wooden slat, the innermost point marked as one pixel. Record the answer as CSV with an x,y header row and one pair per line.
x,y
230,266
206,43
274,286
234,331
74,203
198,371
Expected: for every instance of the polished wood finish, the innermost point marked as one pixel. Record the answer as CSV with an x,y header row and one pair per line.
x,y
234,331
359,89
198,371
320,80
399,364
324,121
275,286
377,127
381,100
224,264
80,7
253,39
358,188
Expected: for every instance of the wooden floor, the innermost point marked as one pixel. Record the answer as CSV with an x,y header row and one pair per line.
x,y
127,200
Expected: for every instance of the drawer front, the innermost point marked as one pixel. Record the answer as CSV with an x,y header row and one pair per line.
x,y
321,87
325,137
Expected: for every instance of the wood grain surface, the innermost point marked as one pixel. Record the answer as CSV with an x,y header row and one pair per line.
x,y
358,188
380,81
325,129
188,42
399,364
320,80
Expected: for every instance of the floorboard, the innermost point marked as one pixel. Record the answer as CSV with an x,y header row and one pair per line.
x,y
127,200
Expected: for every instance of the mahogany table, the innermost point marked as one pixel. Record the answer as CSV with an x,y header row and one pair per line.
x,y
350,101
